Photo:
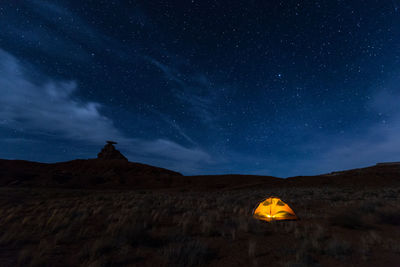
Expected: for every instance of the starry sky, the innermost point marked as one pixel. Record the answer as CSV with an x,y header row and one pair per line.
x,y
278,88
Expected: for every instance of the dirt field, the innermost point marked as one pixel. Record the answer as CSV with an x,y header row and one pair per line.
x,y
66,227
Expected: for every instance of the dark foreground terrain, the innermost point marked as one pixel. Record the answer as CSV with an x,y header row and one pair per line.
x,y
339,226
112,212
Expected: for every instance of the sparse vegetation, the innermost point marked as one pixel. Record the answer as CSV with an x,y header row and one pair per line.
x,y
101,228
338,248
188,253
350,218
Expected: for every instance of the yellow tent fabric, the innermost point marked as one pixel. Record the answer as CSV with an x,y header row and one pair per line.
x,y
274,209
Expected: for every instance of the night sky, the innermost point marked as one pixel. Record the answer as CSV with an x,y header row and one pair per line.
x,y
277,88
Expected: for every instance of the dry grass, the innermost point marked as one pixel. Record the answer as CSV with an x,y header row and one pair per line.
x,y
95,228
351,218
188,252
338,248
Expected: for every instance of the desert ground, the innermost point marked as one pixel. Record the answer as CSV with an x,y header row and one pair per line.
x,y
338,226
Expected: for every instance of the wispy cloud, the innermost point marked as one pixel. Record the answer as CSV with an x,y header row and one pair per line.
x,y
174,124
57,32
168,154
196,90
170,73
50,107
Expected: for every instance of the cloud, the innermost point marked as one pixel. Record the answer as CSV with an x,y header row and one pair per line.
x,y
49,107
168,154
58,32
193,89
169,72
172,123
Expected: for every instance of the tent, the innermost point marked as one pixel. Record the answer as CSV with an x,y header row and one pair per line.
x,y
274,209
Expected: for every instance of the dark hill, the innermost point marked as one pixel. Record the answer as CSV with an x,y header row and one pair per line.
x,y
117,174
122,174
111,169
382,174
86,174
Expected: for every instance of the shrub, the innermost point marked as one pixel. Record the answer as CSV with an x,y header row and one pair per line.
x,y
339,249
103,246
252,248
368,241
135,234
189,253
351,219
25,256
389,216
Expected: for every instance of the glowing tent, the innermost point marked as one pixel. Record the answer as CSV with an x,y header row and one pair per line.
x,y
274,209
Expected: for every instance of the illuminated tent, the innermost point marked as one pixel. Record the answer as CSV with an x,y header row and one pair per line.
x,y
274,209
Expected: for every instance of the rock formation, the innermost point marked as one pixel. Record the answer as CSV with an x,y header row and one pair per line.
x,y
109,152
